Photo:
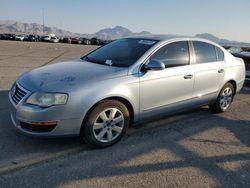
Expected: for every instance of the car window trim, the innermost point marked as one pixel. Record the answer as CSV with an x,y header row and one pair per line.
x,y
161,46
216,47
195,62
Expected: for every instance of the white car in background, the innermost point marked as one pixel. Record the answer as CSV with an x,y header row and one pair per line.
x,y
19,37
54,39
235,50
46,38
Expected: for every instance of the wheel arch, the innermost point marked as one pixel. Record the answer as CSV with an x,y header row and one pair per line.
x,y
123,100
233,82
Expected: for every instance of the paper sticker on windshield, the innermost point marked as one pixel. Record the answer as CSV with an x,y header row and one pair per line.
x,y
108,62
147,42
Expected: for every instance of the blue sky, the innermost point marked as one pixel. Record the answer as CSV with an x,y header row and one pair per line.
x,y
224,18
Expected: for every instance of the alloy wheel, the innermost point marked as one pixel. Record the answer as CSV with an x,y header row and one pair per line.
x,y
226,98
108,125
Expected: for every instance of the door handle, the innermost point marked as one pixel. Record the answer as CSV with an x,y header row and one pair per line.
x,y
188,76
220,70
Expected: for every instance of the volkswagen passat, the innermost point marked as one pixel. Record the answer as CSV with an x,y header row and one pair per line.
x,y
125,82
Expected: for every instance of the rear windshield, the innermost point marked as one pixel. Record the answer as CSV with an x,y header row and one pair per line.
x,y
121,53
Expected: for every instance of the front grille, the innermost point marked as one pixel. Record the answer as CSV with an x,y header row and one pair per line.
x,y
37,128
17,93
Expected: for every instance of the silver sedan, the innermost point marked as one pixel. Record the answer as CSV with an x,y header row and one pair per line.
x,y
126,82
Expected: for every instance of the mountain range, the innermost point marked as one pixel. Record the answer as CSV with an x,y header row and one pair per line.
x,y
10,26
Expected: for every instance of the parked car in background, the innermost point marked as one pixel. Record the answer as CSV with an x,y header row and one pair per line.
x,y
39,38
54,39
9,36
1,36
46,38
85,41
128,81
245,55
19,37
95,41
235,50
74,40
31,38
66,40
60,39
25,38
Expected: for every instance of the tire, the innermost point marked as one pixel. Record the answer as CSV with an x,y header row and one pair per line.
x,y
224,99
101,128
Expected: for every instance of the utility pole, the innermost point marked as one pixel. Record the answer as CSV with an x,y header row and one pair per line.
x,y
43,21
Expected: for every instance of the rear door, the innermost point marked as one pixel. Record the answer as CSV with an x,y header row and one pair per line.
x,y
208,70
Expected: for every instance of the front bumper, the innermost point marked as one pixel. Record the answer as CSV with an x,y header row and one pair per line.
x,y
22,113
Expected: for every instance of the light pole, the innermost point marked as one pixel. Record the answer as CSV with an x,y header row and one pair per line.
x,y
43,21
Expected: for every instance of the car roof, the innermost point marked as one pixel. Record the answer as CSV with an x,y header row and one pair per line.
x,y
157,37
169,37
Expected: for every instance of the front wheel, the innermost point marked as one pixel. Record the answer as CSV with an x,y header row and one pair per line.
x,y
106,124
224,100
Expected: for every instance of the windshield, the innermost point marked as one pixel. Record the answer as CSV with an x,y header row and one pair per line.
x,y
121,53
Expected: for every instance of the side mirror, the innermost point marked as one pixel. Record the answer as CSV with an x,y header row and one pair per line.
x,y
154,64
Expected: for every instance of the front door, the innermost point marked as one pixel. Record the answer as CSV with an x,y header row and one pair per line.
x,y
171,87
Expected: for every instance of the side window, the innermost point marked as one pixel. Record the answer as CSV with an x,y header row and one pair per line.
x,y
204,52
173,54
220,54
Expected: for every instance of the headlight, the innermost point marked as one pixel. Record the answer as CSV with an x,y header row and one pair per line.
x,y
47,99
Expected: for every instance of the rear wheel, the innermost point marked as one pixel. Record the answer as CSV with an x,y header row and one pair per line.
x,y
106,124
224,99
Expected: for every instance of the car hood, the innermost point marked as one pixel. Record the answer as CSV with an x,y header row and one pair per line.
x,y
65,76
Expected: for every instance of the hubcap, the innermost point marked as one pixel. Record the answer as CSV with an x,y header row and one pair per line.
x,y
108,125
226,98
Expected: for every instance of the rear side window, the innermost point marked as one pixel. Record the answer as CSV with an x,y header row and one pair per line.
x,y
204,52
220,54
173,54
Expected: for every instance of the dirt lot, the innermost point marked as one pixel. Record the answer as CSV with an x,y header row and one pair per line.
x,y
192,149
